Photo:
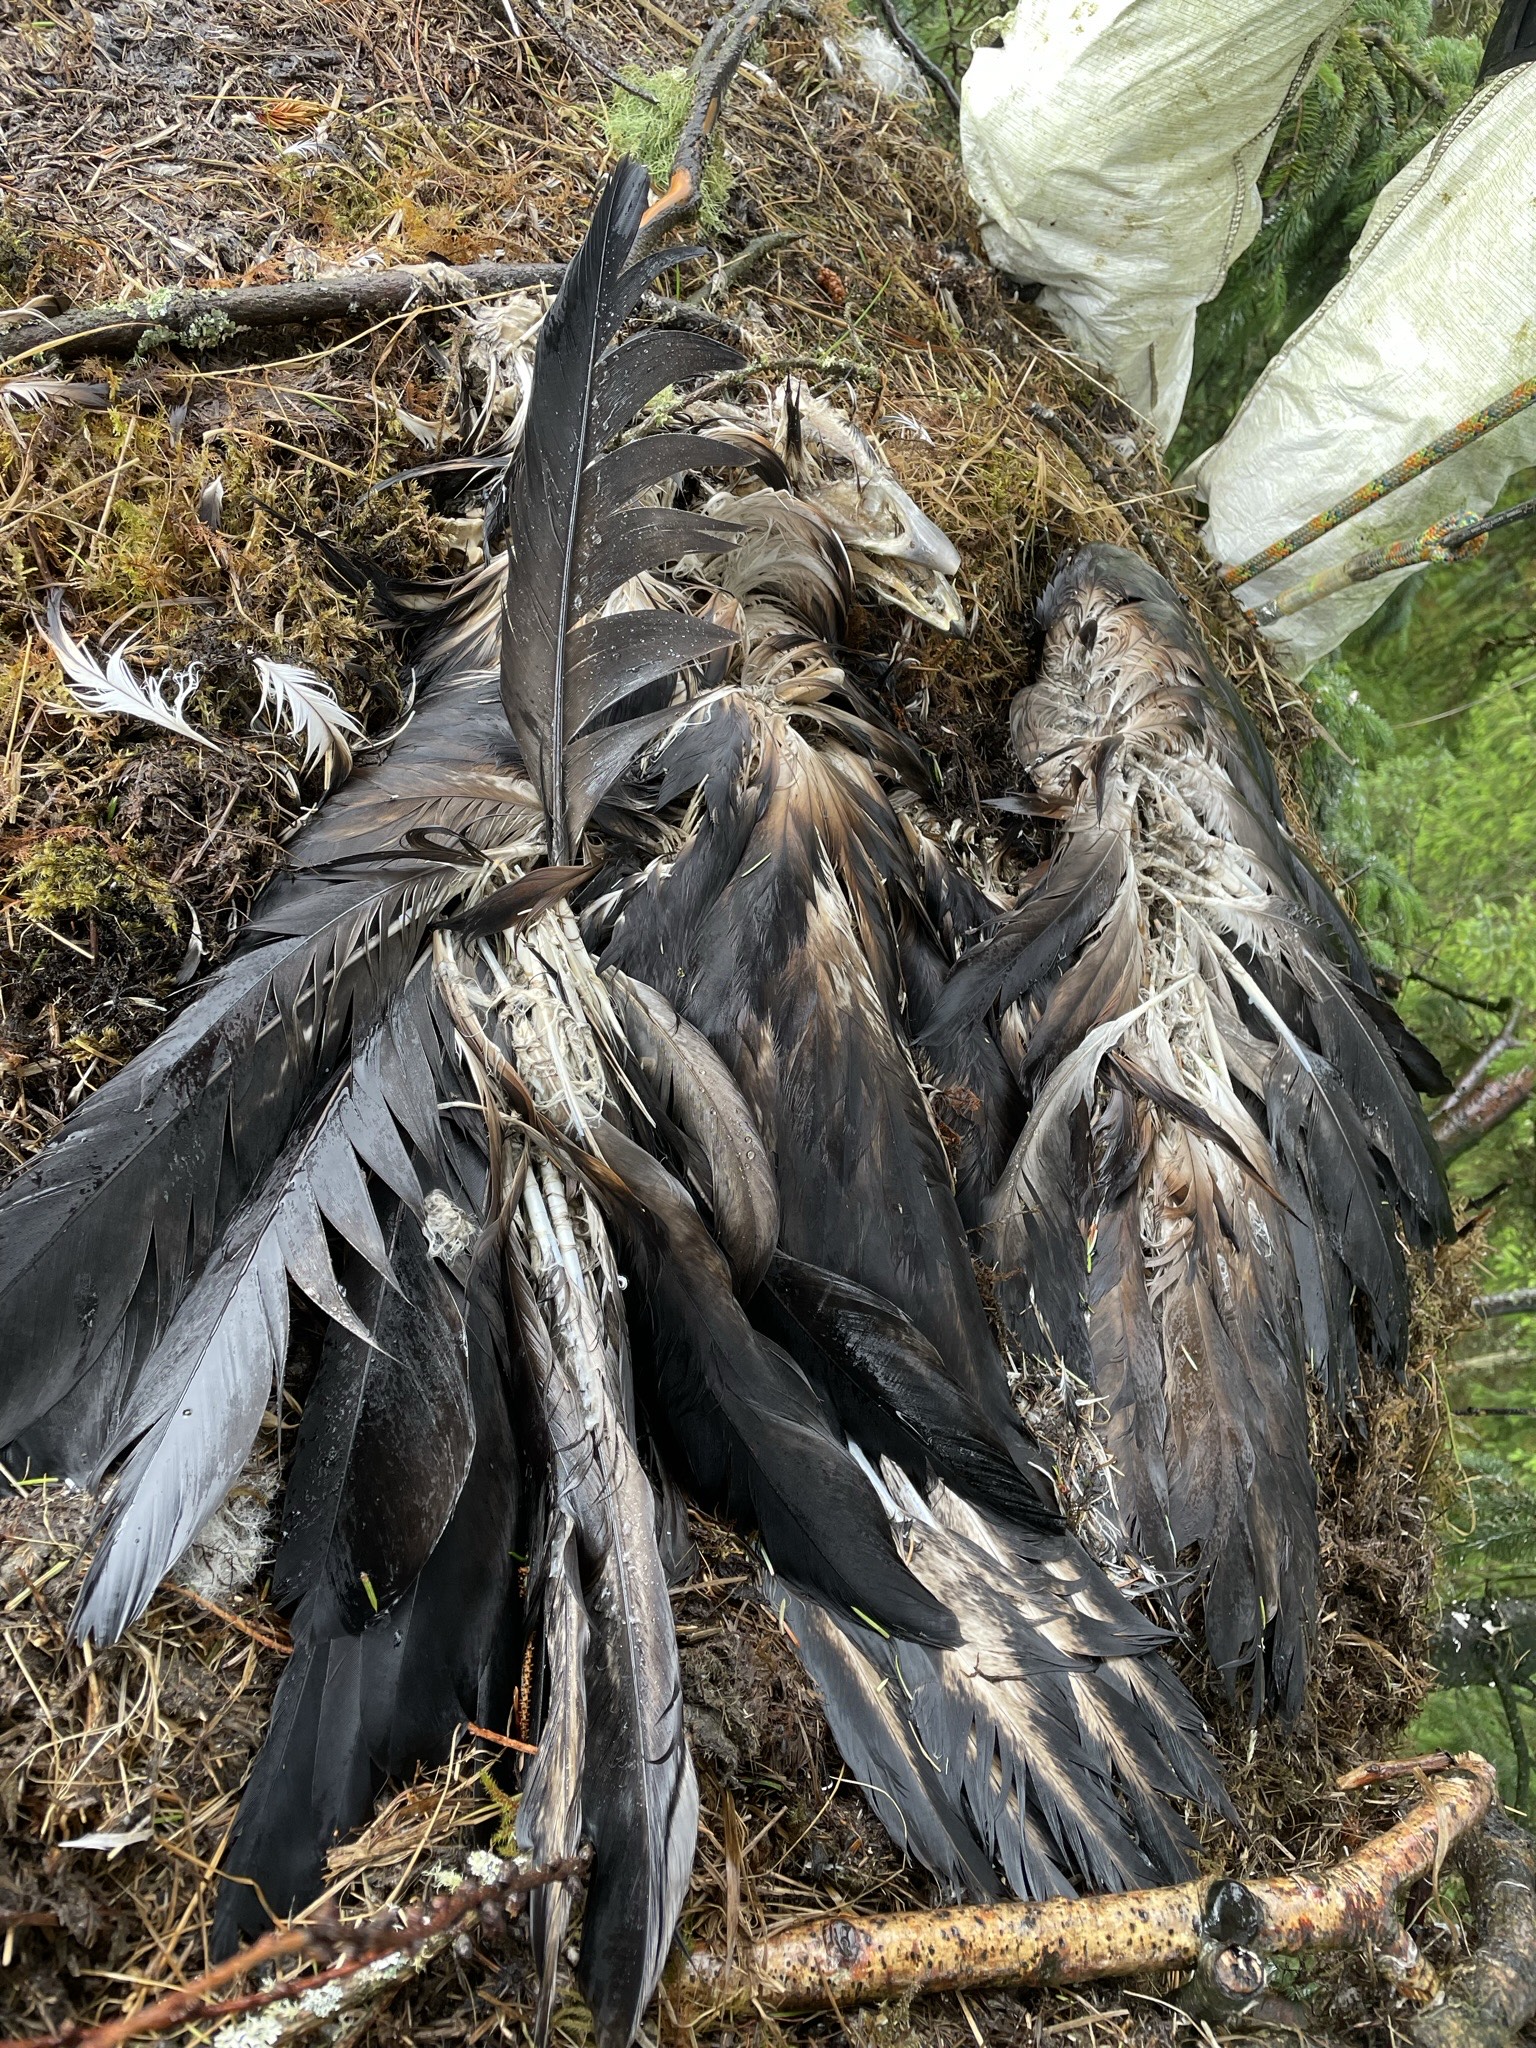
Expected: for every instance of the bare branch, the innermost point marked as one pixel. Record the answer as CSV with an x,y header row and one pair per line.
x,y
839,1962
1462,1124
1517,1301
920,57
714,67
1492,1995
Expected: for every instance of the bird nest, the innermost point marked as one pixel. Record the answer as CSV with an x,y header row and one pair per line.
x,y
260,140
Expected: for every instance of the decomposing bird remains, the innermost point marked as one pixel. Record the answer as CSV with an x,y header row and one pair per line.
x,y
1223,1135
577,1070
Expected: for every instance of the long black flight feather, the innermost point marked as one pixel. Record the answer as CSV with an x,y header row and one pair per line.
x,y
361,1703
568,678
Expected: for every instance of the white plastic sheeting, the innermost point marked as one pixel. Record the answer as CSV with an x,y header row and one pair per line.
x,y
1435,318
1113,149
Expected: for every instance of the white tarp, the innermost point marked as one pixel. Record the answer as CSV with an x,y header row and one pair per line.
x,y
1435,318
1113,149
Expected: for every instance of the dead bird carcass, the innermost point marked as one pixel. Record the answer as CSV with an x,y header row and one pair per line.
x,y
658,1169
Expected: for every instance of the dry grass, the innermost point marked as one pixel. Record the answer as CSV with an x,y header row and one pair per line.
x,y
258,139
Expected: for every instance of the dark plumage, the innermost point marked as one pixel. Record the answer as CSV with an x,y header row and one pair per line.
x,y
1222,1134
663,1168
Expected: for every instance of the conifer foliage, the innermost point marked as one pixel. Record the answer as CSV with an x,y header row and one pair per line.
x,y
1399,70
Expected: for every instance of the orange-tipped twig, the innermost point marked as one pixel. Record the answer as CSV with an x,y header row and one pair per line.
x,y
719,58
840,1962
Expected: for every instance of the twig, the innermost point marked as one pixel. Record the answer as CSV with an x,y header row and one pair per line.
x,y
1469,1082
1107,482
1377,38
1451,442
1495,1005
836,1963
344,1946
715,288
920,57
193,317
283,1644
207,319
502,1741
563,35
716,63
1395,1767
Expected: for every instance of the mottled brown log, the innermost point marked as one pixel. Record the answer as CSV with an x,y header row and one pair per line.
x,y
839,1962
1492,1995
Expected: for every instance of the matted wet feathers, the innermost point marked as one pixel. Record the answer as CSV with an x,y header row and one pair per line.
x,y
1222,1137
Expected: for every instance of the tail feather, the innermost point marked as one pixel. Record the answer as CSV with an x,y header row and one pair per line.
x,y
549,1812
639,1796
882,1380
741,1420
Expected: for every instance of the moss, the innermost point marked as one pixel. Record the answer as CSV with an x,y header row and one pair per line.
x,y
73,875
18,254
634,127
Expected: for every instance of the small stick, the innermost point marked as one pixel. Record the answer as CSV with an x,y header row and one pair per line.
x,y
1106,480
920,56
504,1741
1451,442
1377,38
118,331
838,1962
716,64
562,35
283,1644
349,1946
1395,1767
1518,1301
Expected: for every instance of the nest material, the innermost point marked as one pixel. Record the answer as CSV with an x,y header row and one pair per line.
x,y
263,139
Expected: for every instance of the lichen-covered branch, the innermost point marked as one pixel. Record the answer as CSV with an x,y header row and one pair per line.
x,y
839,1962
208,319
345,1949
719,58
